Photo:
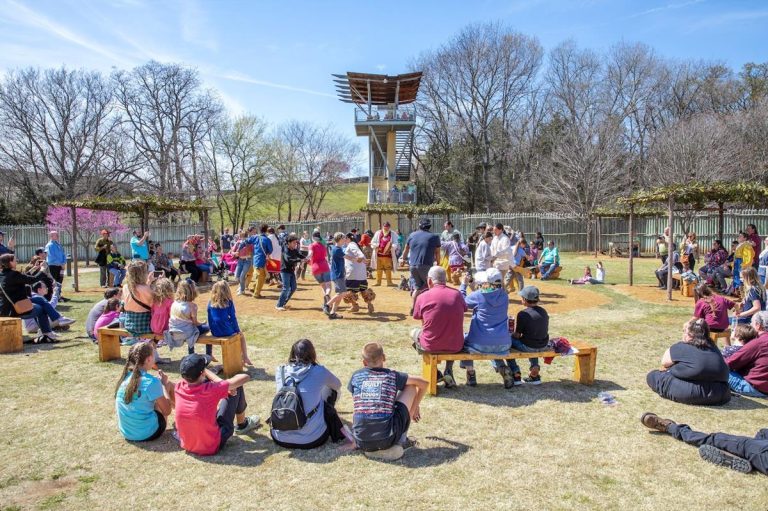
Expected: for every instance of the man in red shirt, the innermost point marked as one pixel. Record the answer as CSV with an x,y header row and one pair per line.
x,y
441,310
207,406
749,365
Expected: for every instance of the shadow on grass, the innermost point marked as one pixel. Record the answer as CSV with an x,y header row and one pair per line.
x,y
566,391
237,450
31,347
381,317
421,457
744,403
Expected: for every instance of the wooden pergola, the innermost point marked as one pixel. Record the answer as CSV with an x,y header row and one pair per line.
x,y
140,206
409,210
696,196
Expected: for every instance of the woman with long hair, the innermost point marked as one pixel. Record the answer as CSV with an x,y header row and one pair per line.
x,y
222,319
693,370
142,401
711,307
137,298
754,296
319,389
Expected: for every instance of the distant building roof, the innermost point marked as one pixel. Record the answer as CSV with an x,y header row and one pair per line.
x,y
365,88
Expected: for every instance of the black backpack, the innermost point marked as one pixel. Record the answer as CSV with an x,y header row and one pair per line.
x,y
287,407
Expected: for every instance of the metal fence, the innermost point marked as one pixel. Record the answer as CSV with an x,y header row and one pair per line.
x,y
30,237
568,232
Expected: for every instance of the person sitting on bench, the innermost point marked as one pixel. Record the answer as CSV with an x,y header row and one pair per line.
x,y
549,260
441,311
207,407
531,334
385,403
693,370
142,401
739,453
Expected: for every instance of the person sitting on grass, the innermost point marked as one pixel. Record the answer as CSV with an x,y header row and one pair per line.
x,y
319,389
110,317
385,403
489,329
549,260
441,310
222,318
183,325
39,292
142,401
755,297
739,453
531,335
712,308
749,365
98,309
740,335
693,370
207,407
585,279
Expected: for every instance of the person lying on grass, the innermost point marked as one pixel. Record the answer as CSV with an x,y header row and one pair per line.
x,y
385,403
318,388
207,407
739,453
142,401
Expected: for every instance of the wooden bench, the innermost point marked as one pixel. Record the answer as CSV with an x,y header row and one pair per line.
x,y
552,276
583,368
714,336
11,339
231,350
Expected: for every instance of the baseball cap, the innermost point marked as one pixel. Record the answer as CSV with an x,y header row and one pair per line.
x,y
493,275
530,293
482,225
425,223
192,366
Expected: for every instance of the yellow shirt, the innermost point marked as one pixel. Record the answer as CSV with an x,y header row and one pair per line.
x,y
746,253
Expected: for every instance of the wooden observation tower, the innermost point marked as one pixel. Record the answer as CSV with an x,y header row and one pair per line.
x,y
386,114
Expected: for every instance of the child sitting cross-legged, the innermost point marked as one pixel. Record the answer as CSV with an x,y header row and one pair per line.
x,y
385,402
109,316
222,319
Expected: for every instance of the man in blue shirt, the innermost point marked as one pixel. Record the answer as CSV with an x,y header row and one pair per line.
x,y
549,260
9,248
139,245
262,247
422,248
55,257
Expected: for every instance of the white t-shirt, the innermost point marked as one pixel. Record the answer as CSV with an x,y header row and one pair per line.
x,y
500,250
353,269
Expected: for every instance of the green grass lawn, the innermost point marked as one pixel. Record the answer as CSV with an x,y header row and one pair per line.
x,y
548,447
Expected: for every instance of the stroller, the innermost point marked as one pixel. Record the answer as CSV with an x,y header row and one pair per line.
x,y
219,267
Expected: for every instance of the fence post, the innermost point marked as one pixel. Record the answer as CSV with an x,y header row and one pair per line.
x,y
73,241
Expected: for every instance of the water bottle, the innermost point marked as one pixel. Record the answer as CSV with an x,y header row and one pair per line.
x,y
607,399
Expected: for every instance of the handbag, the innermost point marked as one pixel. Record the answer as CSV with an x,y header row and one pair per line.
x,y
21,307
273,265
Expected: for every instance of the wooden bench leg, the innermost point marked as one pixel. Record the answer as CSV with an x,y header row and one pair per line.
x,y
11,336
584,367
429,372
109,346
232,355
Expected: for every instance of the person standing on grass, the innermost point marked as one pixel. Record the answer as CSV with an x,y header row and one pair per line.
x,y
320,269
762,266
355,265
143,402
222,319
693,370
742,259
140,245
262,248
422,251
441,311
291,258
244,253
6,249
56,258
102,247
385,402
226,240
483,251
209,410
383,245
338,274
304,243
319,389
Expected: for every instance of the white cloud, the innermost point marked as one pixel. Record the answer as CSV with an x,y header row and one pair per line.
x,y
240,77
194,27
727,18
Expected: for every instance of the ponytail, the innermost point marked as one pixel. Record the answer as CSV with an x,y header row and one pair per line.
x,y
136,358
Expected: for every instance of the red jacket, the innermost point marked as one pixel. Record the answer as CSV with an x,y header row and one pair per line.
x,y
751,361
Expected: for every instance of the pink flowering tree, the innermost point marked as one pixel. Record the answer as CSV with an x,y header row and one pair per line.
x,y
89,224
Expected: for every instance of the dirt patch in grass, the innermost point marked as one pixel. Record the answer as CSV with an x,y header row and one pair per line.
x,y
653,294
46,493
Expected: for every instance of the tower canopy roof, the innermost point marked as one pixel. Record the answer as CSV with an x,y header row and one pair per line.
x,y
365,88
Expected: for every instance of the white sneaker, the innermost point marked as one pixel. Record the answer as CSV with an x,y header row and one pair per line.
x,y
63,321
252,422
52,335
239,293
281,309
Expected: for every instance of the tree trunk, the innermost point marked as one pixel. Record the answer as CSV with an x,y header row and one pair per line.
x,y
670,257
631,241
74,249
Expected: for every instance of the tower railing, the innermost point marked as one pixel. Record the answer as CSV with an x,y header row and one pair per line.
x,y
387,114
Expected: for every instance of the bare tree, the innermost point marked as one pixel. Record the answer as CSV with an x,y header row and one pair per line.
x,y
237,155
59,132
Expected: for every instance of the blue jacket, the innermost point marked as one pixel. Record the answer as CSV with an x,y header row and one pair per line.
x,y
223,322
55,255
489,326
262,247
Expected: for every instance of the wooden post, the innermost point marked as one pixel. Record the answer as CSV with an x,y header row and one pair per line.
x,y
74,248
720,221
670,253
145,218
631,251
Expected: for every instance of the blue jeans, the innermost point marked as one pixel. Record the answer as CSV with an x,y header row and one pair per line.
x,y
289,287
38,314
52,313
494,349
517,345
547,269
736,272
241,271
741,386
207,268
118,275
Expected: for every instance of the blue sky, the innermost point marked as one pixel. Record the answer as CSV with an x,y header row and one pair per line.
x,y
275,58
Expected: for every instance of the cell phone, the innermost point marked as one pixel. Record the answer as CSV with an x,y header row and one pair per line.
x,y
158,274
